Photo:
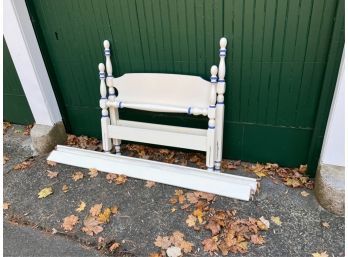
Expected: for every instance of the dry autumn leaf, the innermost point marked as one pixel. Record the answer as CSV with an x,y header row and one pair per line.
x,y
104,216
51,163
199,214
23,165
191,220
114,210
114,246
77,175
111,177
81,207
304,194
325,224
93,173
65,188
70,222
155,255
210,244
45,192
322,254
5,159
6,205
163,242
303,169
264,225
276,220
120,180
52,174
150,184
91,226
257,239
96,209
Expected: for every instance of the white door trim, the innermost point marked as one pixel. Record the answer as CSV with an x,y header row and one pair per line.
x,y
27,58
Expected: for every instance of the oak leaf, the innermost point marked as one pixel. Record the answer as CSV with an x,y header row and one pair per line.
x,y
81,207
96,209
52,174
93,173
45,192
77,175
91,226
69,222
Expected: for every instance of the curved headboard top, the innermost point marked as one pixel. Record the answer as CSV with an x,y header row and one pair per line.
x,y
163,89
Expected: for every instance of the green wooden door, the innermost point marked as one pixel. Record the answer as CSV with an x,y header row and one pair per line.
x,y
279,56
16,108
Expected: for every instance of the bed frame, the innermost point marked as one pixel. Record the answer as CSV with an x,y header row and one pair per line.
x,y
170,93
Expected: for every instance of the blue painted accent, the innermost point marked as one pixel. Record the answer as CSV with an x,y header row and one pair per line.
x,y
109,76
221,80
223,50
219,102
105,115
211,127
103,98
217,161
189,110
120,105
212,106
111,94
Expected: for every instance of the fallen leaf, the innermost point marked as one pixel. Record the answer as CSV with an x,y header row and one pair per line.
x,y
114,209
304,194
186,246
163,242
172,209
54,231
325,224
23,165
173,251
303,169
52,174
276,220
114,246
51,163
69,222
199,214
111,177
6,205
77,175
257,239
264,223
96,209
45,192
104,216
120,180
5,159
65,188
322,254
92,226
150,184
191,220
293,182
210,244
81,207
93,173
214,227
155,255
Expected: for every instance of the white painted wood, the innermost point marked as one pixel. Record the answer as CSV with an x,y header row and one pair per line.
x,y
191,178
220,107
26,55
113,112
159,137
152,126
163,89
333,152
105,120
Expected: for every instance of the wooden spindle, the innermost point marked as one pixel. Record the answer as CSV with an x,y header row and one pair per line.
x,y
220,107
114,116
105,120
211,124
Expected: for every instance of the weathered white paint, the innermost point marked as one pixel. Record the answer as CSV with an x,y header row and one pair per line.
x,y
197,179
333,152
24,49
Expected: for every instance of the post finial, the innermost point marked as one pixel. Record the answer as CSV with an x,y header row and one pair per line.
x,y
106,44
223,42
101,67
214,70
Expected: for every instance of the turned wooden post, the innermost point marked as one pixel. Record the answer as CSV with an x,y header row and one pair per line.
x,y
220,107
105,120
211,124
112,96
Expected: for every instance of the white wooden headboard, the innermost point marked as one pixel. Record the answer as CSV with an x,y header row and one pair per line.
x,y
164,93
